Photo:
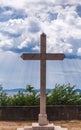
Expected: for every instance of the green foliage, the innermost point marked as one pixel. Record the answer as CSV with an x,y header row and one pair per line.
x,y
29,89
4,99
63,95
17,99
1,87
59,95
30,97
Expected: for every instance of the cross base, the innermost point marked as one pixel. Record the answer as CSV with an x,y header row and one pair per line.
x,y
36,126
43,119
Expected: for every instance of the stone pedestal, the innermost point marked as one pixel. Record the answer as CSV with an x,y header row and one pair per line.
x,y
36,126
43,119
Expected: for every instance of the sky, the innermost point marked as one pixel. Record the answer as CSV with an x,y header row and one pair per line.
x,y
21,23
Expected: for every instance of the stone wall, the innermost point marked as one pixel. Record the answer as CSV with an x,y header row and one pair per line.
x,y
57,112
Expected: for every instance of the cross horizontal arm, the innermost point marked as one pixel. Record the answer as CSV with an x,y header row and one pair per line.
x,y
38,56
33,56
56,56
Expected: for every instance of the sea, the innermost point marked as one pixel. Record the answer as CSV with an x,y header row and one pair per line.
x,y
11,92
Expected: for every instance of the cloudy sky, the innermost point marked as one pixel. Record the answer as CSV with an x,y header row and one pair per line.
x,y
21,23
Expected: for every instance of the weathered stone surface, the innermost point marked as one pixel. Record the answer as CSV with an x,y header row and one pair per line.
x,y
27,127
42,122
43,119
43,56
20,128
36,126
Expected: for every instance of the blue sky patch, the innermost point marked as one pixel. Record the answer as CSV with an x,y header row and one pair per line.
x,y
53,16
78,9
7,13
22,50
33,27
11,35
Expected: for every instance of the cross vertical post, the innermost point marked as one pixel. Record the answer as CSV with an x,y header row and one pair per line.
x,y
43,116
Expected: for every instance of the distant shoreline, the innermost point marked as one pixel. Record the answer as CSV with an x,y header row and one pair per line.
x,y
11,92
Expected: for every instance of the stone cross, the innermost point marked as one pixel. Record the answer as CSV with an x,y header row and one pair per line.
x,y
43,56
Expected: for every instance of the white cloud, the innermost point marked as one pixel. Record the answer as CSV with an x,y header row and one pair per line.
x,y
5,41
79,52
8,12
12,3
23,3
24,43
36,48
12,26
41,18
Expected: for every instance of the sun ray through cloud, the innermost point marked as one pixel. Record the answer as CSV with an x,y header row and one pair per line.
x,y
21,23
